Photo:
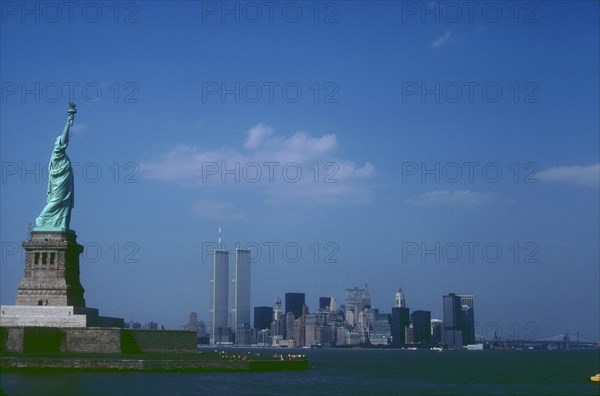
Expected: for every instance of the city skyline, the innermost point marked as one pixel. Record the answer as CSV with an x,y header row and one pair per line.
x,y
360,143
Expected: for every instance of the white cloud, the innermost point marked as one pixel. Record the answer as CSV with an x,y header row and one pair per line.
x,y
587,176
297,167
256,135
445,197
443,40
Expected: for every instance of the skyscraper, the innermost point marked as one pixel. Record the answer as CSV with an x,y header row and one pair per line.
x,y
277,313
219,297
436,332
421,321
294,303
453,336
400,303
400,321
467,302
324,303
240,282
263,316
357,298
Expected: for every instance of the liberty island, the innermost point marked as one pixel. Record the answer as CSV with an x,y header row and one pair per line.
x,y
50,325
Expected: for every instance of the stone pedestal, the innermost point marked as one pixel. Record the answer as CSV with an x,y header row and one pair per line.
x,y
50,294
51,270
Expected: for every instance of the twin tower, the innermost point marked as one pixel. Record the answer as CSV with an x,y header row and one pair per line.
x,y
229,325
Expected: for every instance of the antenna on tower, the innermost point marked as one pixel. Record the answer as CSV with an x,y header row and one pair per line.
x,y
219,237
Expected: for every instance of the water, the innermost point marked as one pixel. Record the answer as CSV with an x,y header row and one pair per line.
x,y
348,372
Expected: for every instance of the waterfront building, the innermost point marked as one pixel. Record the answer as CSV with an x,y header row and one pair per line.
x,y
193,324
437,332
410,334
453,334
133,325
277,311
400,321
244,334
340,338
357,299
263,338
467,303
294,303
333,305
150,326
380,333
219,296
421,321
263,317
240,282
400,303
278,329
290,326
324,303
310,332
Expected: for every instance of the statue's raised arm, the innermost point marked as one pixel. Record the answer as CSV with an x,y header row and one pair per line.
x,y
56,215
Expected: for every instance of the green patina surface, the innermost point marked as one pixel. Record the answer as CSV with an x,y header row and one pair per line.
x,y
56,215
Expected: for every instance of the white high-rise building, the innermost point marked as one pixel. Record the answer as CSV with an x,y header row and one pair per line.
x,y
219,297
240,287
400,303
333,305
277,312
467,299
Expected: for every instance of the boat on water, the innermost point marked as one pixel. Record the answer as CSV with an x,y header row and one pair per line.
x,y
595,378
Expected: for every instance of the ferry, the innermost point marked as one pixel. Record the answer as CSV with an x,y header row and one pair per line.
x,y
595,378
474,347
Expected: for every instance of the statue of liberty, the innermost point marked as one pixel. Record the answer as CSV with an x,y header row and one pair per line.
x,y
56,215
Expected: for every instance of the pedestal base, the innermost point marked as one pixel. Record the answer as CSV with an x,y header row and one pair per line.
x,y
94,340
54,316
51,270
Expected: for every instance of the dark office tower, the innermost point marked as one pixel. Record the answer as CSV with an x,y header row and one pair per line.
x,y
293,303
453,336
467,303
467,318
400,321
437,331
324,303
263,316
421,321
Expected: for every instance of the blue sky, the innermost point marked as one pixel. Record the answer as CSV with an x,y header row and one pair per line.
x,y
435,149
